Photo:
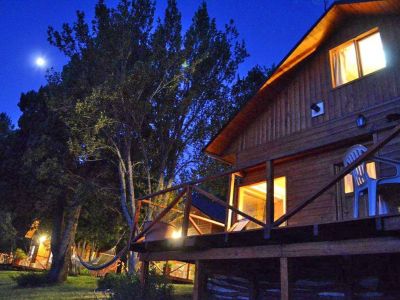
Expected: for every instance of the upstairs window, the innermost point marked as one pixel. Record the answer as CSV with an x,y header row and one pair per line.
x,y
356,58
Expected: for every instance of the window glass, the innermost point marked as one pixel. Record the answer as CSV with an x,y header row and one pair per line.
x,y
356,58
344,63
348,180
372,54
252,200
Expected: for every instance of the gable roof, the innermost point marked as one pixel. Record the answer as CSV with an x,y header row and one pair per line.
x,y
308,44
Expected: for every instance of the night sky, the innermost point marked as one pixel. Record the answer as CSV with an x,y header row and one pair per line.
x,y
270,29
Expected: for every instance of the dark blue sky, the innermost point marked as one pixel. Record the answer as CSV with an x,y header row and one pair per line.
x,y
270,29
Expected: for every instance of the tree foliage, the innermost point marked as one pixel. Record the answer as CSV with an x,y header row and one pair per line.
x,y
129,114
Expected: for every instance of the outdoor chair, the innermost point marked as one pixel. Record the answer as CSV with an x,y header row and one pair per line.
x,y
363,182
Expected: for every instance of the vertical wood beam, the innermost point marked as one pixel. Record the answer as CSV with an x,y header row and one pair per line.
x,y
186,213
144,273
285,278
347,276
254,289
269,207
200,282
230,198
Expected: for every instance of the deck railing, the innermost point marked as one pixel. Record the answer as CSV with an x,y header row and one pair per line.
x,y
187,189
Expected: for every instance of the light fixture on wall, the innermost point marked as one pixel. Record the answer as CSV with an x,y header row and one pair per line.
x,y
361,121
317,109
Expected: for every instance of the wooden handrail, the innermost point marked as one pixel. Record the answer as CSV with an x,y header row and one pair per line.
x,y
223,203
194,216
195,225
192,185
160,216
371,151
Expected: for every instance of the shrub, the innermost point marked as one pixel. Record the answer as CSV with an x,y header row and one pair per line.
x,y
126,286
31,279
20,254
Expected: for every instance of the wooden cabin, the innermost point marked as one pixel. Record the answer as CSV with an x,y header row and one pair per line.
x,y
290,227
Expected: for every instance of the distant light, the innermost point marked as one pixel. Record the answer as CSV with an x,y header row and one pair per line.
x,y
42,239
40,62
176,234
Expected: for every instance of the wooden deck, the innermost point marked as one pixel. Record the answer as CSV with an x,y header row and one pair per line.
x,y
364,236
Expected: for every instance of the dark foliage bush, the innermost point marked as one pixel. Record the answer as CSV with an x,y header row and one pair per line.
x,y
31,279
126,286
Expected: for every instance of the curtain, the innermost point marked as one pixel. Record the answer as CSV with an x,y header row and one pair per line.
x,y
345,68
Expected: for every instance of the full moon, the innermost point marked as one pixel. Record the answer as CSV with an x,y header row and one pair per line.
x,y
40,62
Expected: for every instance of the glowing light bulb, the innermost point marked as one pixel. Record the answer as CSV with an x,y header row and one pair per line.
x,y
176,234
42,239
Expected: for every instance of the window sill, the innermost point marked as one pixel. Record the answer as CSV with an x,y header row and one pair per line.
x,y
358,79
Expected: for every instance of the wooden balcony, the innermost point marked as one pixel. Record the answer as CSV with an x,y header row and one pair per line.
x,y
271,238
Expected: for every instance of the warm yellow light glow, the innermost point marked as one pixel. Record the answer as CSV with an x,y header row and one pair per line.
x,y
176,234
42,239
348,179
372,54
345,66
359,57
252,199
279,187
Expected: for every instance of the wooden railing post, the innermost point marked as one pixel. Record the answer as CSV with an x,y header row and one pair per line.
x,y
371,151
186,213
159,217
230,196
269,206
223,203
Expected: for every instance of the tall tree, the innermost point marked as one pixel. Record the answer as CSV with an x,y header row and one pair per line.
x,y
147,95
247,86
8,180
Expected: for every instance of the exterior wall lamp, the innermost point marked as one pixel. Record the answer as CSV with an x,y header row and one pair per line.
x,y
361,121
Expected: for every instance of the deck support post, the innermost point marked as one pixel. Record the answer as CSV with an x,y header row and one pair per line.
x,y
347,276
269,207
144,274
285,278
254,289
200,281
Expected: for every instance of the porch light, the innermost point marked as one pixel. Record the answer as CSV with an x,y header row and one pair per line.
x,y
42,239
176,234
361,121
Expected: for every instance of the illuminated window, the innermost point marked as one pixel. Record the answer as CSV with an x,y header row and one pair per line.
x,y
252,200
356,58
348,180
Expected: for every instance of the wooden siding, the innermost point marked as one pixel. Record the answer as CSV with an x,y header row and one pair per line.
x,y
288,114
285,127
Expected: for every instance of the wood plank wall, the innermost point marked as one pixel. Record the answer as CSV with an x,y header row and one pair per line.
x,y
289,114
286,124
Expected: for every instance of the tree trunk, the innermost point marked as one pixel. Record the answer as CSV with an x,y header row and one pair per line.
x,y
131,192
123,191
64,239
131,188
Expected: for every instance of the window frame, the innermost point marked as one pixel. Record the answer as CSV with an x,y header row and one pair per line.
x,y
240,193
354,41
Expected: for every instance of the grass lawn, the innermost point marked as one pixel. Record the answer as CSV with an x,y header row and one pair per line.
x,y
75,288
